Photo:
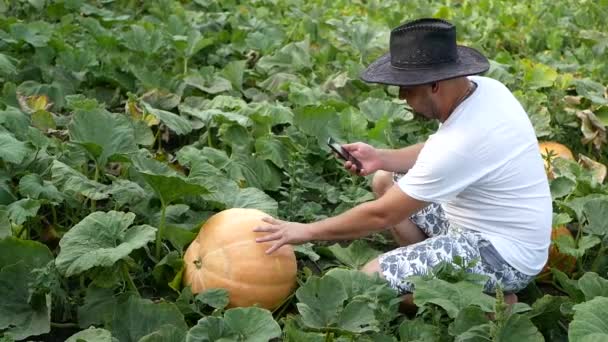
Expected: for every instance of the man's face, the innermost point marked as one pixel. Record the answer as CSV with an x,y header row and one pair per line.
x,y
421,100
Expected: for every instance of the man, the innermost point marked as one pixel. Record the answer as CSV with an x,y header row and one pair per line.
x,y
476,188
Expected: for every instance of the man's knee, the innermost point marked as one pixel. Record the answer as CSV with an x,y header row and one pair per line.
x,y
381,182
372,267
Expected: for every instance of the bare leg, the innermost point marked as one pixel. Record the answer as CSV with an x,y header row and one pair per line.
x,y
404,233
407,305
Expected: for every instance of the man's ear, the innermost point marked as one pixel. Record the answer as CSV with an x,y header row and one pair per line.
x,y
435,87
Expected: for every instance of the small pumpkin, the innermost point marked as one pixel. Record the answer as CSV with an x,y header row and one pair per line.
x,y
563,262
226,255
556,150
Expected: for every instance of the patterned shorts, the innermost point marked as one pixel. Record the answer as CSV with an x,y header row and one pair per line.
x,y
444,242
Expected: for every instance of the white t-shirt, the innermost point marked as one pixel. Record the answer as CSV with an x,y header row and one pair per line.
x,y
484,167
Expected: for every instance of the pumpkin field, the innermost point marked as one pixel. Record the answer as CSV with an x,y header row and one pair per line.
x,y
125,125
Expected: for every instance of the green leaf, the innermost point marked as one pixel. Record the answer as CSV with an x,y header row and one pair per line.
x,y
593,285
546,313
126,192
238,324
37,33
567,245
538,75
358,317
33,186
43,120
5,224
320,301
7,65
166,333
103,134
467,318
307,249
376,109
568,285
20,318
165,270
271,148
591,90
252,324
293,333
139,317
319,121
519,328
210,329
416,330
216,298
356,255
13,150
595,211
23,209
98,307
175,122
452,297
93,335
211,84
292,57
233,72
562,186
589,319
101,239
171,188
72,182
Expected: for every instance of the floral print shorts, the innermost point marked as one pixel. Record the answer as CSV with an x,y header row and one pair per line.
x,y
444,242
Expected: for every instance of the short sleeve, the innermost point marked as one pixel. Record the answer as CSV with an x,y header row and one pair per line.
x,y
439,175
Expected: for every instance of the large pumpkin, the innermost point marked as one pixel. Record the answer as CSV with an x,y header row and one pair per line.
x,y
226,255
556,150
563,262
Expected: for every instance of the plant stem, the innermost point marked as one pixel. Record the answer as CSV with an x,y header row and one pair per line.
x,y
95,178
161,228
209,141
54,212
64,325
127,277
596,262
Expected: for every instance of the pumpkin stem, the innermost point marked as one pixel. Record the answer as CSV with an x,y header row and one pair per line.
x,y
198,263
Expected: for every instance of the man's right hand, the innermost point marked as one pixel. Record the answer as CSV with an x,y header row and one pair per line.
x,y
367,155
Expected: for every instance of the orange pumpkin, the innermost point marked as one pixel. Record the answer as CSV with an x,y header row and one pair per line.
x,y
563,262
226,255
556,150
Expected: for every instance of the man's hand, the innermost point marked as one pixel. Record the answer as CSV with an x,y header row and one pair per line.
x,y
367,155
283,233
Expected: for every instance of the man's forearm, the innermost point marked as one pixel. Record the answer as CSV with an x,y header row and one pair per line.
x,y
357,222
400,160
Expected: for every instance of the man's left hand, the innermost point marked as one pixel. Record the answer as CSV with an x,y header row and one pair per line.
x,y
283,233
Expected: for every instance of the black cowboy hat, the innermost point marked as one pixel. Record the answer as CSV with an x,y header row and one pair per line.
x,y
424,51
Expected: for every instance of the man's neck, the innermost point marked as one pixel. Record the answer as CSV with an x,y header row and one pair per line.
x,y
461,91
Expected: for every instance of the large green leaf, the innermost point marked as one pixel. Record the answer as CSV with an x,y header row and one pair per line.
x,y
589,320
92,334
320,301
271,148
175,122
166,333
375,109
293,57
18,315
72,182
593,285
171,188
102,133
356,255
416,330
318,121
98,307
32,185
23,209
13,150
101,239
138,317
452,297
238,324
595,211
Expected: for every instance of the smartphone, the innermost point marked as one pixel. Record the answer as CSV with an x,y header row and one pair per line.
x,y
343,153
